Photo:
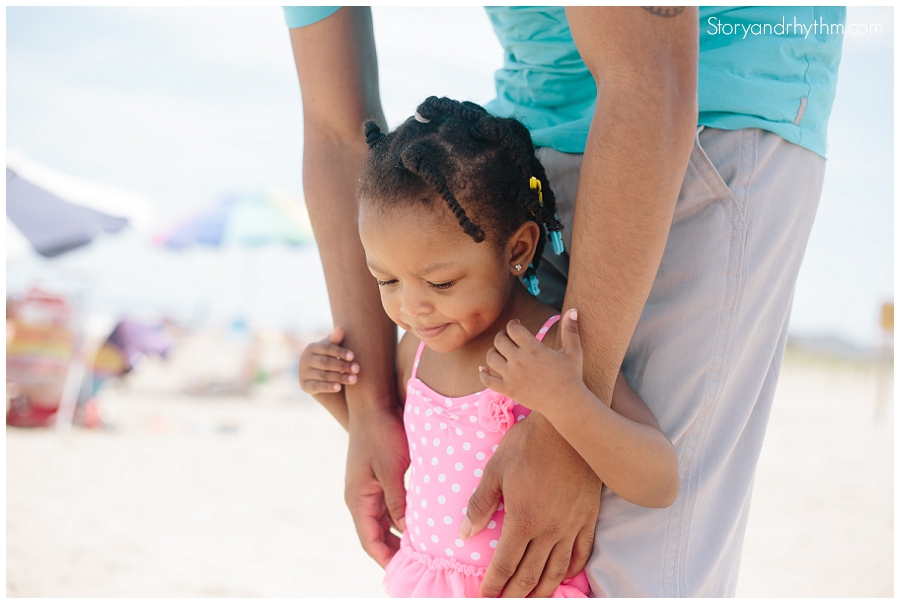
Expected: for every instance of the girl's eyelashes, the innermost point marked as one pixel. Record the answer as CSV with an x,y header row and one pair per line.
x,y
442,285
384,283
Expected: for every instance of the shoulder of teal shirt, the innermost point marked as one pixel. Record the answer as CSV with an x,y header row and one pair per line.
x,y
301,16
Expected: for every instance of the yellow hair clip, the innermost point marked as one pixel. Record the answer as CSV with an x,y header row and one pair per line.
x,y
536,184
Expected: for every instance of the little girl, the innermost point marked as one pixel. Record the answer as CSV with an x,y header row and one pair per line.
x,y
453,209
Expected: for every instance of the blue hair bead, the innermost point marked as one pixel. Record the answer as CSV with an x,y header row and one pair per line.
x,y
531,282
556,240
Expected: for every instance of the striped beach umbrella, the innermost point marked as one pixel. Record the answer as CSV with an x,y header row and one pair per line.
x,y
242,219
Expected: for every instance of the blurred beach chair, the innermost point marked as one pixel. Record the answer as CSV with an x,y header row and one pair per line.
x,y
57,358
41,346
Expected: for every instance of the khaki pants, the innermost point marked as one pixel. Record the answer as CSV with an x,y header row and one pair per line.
x,y
705,355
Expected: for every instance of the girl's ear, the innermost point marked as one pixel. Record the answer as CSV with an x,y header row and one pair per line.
x,y
521,247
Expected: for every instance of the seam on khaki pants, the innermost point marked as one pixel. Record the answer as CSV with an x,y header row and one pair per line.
x,y
680,511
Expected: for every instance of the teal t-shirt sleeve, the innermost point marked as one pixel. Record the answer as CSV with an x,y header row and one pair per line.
x,y
301,16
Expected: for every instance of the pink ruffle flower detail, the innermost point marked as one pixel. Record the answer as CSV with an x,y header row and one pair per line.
x,y
495,411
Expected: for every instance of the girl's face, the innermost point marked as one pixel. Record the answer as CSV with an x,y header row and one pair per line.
x,y
435,281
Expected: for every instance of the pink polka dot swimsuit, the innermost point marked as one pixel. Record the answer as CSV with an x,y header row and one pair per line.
x,y
450,442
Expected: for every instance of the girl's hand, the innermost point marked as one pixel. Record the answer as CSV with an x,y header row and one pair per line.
x,y
524,369
324,365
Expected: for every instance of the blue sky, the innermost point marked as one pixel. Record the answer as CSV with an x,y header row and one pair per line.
x,y
185,104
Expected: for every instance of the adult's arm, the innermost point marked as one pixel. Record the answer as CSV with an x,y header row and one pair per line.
x,y
645,66
338,72
644,61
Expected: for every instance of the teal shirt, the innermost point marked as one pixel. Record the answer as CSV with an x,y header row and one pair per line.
x,y
543,81
769,73
301,16
773,68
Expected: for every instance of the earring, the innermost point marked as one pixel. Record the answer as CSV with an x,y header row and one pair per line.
x,y
518,267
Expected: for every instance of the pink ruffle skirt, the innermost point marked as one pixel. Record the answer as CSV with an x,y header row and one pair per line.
x,y
412,574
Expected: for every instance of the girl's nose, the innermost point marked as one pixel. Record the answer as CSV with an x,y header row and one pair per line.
x,y
413,304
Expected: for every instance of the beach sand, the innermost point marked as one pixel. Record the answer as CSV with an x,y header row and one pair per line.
x,y
242,496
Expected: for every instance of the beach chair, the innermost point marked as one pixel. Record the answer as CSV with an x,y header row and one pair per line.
x,y
49,358
40,348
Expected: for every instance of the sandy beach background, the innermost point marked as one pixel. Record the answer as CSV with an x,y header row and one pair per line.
x,y
241,495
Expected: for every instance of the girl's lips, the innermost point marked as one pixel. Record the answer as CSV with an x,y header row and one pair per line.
x,y
430,332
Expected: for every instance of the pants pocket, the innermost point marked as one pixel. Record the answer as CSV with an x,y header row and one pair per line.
x,y
726,161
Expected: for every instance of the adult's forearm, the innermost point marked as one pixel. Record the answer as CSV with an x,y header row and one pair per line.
x,y
634,162
330,175
338,73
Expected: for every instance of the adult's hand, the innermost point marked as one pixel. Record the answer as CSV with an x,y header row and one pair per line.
x,y
377,459
551,498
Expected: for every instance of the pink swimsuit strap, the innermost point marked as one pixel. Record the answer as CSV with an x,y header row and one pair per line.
x,y
540,336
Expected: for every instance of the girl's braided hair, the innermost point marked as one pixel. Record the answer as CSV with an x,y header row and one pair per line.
x,y
480,165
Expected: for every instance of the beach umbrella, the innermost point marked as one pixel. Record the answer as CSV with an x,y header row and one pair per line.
x,y
50,223
238,222
55,212
242,219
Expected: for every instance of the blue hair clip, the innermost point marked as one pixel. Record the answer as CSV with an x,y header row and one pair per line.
x,y
531,282
556,240
555,237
